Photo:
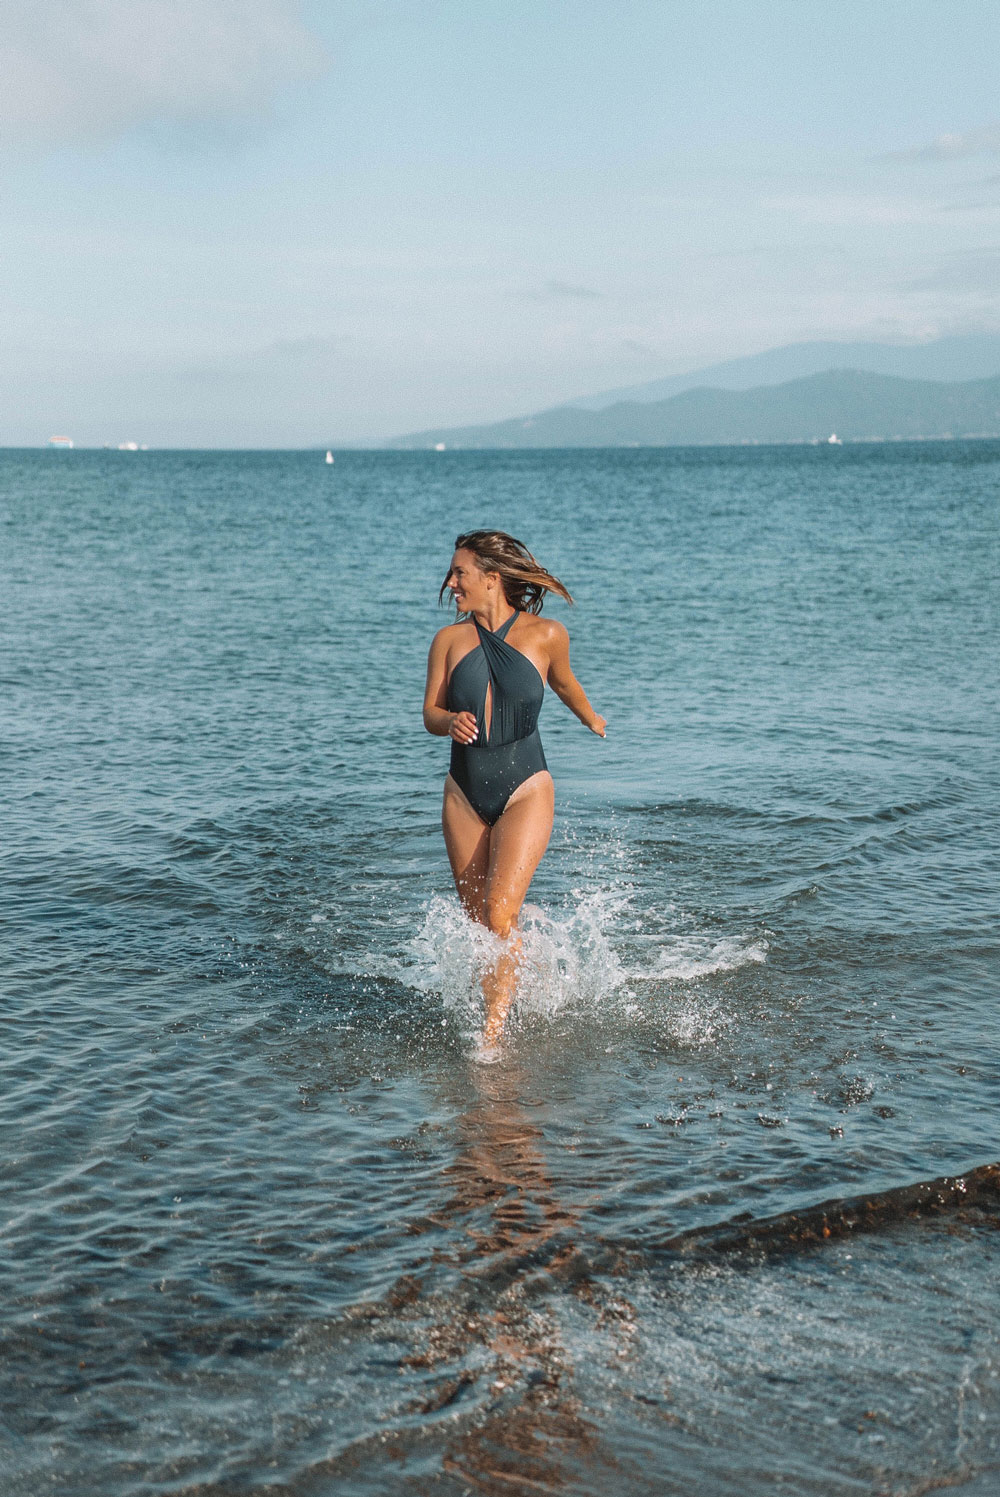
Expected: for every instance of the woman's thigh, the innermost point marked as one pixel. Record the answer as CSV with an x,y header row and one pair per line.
x,y
517,843
467,838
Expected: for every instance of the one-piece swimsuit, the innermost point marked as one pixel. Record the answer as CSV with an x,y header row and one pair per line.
x,y
507,750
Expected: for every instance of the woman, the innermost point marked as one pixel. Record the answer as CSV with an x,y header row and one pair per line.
x,y
486,680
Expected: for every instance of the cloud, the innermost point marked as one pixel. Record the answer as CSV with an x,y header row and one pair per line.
x,y
972,270
563,290
984,141
91,69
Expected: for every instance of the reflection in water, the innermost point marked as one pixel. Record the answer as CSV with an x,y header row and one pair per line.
x,y
500,1169
529,1435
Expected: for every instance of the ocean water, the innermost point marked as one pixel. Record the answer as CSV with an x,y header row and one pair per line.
x,y
266,1227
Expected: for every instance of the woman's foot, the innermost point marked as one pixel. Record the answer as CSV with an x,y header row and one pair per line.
x,y
495,1018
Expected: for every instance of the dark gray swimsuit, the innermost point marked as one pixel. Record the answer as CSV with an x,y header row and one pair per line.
x,y
490,770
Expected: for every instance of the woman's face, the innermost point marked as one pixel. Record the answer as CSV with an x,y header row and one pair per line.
x,y
467,583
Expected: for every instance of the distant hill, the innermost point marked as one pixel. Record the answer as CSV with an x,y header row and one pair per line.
x,y
970,356
857,405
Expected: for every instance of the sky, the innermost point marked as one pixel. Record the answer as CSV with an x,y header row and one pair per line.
x,y
255,223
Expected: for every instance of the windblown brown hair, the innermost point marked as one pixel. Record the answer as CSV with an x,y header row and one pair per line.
x,y
525,582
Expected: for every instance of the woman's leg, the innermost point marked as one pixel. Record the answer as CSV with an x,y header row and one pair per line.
x,y
467,838
516,845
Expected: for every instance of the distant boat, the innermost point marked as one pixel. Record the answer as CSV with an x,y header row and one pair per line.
x,y
60,441
833,440
329,457
440,447
128,446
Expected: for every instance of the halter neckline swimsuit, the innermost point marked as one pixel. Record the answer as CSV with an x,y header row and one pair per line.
x,y
510,751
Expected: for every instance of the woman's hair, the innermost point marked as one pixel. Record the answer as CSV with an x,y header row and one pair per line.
x,y
524,582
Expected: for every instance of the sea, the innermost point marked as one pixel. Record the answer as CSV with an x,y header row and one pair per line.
x,y
724,1217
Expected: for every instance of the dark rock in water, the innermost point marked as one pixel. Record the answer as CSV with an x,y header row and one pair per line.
x,y
961,1196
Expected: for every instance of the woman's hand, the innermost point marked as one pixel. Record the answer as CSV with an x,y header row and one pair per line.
x,y
464,728
598,726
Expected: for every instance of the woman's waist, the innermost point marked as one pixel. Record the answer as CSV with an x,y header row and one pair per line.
x,y
500,746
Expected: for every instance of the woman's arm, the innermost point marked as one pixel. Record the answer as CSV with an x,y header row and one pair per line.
x,y
437,719
565,685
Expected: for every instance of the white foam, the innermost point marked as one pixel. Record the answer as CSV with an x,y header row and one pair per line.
x,y
684,957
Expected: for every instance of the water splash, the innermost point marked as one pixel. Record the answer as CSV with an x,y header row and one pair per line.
x,y
587,958
674,965
567,961
684,957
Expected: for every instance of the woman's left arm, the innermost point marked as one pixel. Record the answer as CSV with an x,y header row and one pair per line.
x,y
563,682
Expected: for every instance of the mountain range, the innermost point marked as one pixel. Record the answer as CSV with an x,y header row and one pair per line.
x,y
962,357
777,396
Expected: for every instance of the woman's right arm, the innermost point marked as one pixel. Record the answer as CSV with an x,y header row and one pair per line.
x,y
565,685
437,719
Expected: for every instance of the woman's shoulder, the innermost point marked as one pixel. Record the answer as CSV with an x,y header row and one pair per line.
x,y
450,634
546,631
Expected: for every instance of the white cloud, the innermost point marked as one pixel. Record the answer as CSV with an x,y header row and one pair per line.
x,y
86,69
984,141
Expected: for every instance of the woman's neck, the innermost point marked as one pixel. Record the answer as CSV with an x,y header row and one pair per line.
x,y
494,617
